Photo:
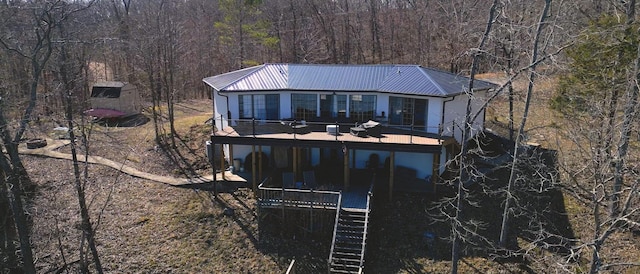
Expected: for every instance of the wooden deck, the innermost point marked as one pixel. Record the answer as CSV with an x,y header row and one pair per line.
x,y
355,198
291,198
386,138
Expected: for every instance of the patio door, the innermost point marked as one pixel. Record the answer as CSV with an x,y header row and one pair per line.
x,y
331,167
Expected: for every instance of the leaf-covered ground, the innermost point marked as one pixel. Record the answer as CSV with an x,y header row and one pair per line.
x,y
149,227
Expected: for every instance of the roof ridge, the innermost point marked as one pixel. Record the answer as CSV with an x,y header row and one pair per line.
x,y
423,70
255,68
457,75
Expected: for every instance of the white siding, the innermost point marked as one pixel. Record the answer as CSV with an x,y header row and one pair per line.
x,y
455,112
220,110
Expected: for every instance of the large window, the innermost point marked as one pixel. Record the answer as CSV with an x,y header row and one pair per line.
x,y
408,112
304,106
259,106
333,106
362,108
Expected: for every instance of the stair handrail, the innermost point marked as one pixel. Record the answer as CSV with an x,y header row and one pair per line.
x,y
366,222
335,229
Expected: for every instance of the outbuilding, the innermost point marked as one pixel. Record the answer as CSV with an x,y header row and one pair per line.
x,y
112,99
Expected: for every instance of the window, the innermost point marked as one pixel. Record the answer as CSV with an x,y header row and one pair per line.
x,y
105,92
304,106
332,105
408,111
362,108
259,106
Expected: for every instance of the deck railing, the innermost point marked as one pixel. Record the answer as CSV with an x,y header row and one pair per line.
x,y
335,230
253,127
366,221
278,197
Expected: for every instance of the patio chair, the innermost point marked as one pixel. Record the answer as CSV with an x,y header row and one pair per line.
x,y
288,180
309,177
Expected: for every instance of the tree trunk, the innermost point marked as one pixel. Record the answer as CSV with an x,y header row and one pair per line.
x,y
512,176
462,179
13,178
627,119
65,73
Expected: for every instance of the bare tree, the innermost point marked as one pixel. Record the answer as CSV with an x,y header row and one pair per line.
x,y
45,18
519,137
601,168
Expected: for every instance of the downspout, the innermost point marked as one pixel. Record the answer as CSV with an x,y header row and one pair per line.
x,y
230,150
444,103
228,110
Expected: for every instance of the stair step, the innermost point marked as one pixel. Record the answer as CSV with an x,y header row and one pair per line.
x,y
352,215
343,221
345,260
352,254
349,234
351,225
347,249
345,266
333,270
349,241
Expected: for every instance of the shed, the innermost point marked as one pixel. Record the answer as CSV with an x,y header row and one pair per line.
x,y
113,100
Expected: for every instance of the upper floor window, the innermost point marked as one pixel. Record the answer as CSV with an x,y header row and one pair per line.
x,y
362,108
259,106
408,112
333,106
304,106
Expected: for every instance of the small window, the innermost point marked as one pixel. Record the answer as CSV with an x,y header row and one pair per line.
x,y
106,92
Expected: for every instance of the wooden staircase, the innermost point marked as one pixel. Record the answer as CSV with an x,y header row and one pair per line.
x,y
349,239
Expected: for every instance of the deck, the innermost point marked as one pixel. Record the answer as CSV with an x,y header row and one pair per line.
x,y
389,138
354,199
316,134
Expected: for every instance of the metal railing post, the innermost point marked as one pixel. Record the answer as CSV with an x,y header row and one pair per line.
x,y
293,127
411,135
253,126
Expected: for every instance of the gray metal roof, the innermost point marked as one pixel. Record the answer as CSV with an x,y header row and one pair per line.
x,y
397,79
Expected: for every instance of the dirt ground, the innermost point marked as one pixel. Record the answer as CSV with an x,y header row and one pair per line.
x,y
148,227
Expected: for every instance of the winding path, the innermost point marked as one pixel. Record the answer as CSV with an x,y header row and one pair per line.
x,y
52,145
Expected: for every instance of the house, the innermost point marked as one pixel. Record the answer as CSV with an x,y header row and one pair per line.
x,y
111,99
326,137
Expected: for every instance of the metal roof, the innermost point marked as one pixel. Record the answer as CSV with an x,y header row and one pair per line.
x,y
397,79
114,84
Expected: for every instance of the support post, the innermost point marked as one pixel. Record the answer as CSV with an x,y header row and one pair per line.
x,y
435,171
392,160
346,167
231,156
222,169
213,166
260,163
253,169
294,153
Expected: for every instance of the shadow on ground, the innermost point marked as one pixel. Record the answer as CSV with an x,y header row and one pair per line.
x,y
130,121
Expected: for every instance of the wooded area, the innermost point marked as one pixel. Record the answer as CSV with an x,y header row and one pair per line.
x,y
52,51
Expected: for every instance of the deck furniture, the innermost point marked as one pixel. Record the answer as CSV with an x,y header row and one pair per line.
x,y
309,177
288,180
297,127
358,131
373,128
333,129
